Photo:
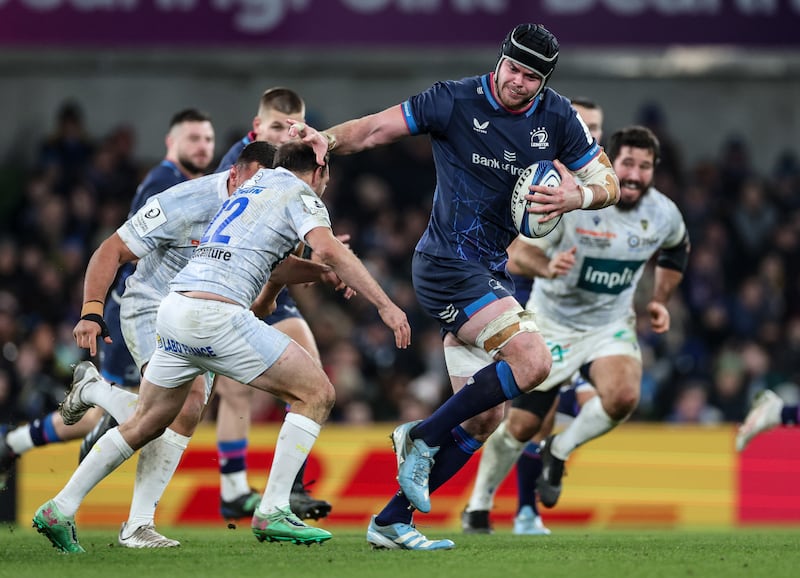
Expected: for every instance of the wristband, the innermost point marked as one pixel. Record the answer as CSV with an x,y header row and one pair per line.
x,y
331,140
99,320
93,306
588,197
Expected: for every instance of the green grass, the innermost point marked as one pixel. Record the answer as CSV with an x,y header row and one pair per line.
x,y
771,553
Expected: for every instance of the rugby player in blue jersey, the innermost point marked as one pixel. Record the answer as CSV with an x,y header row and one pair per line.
x,y
475,518
484,130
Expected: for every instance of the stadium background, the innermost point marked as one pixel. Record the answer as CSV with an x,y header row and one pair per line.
x,y
717,81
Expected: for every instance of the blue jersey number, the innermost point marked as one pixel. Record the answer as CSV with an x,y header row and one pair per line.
x,y
234,208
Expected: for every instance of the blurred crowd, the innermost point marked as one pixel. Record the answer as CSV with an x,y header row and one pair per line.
x,y
735,321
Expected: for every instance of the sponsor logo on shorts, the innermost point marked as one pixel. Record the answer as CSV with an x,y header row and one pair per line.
x,y
174,346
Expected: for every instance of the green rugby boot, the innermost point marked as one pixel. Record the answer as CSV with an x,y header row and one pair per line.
x,y
57,528
284,526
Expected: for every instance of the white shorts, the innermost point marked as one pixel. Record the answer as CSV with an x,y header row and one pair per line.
x,y
196,335
137,317
572,349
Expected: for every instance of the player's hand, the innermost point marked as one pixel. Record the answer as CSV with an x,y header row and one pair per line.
x,y
561,263
659,317
332,279
310,136
555,201
396,320
86,333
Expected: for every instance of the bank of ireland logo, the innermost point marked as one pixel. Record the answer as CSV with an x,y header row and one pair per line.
x,y
509,156
539,138
478,126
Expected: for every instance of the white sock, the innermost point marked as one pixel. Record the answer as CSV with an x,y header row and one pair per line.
x,y
295,440
591,422
498,456
117,401
19,439
233,485
158,461
106,456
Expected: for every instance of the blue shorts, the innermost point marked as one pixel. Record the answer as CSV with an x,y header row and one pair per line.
x,y
452,291
116,363
286,308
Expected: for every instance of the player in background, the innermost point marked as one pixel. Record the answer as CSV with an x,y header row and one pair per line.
x,y
767,412
485,130
269,125
572,396
190,150
160,236
205,324
587,271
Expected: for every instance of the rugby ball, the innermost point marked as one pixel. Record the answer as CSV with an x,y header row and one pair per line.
x,y
542,173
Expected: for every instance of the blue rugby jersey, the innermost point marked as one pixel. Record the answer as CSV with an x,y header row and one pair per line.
x,y
479,149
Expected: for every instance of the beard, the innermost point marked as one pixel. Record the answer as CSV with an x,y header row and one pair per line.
x,y
630,204
191,167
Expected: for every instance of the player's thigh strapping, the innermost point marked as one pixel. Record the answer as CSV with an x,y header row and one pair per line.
x,y
196,335
452,291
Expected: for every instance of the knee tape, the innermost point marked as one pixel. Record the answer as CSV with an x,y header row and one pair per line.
x,y
501,329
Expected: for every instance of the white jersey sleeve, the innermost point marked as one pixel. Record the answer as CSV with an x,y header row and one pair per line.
x,y
165,231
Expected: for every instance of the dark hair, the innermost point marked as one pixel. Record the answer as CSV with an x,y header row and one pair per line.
x,y
260,152
532,46
585,102
636,136
282,99
189,115
297,156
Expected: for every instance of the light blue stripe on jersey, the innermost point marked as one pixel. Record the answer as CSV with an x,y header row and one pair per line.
x,y
479,304
583,161
412,124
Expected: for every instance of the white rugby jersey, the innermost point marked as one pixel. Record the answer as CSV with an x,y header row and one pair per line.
x,y
166,230
613,247
255,229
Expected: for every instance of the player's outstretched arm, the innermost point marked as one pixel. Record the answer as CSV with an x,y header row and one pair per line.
x,y
355,135
100,273
351,271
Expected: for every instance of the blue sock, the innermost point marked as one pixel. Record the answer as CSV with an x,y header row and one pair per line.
x,y
491,386
450,458
42,431
529,468
790,415
232,456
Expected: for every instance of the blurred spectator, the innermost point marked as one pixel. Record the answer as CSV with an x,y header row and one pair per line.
x,y
691,405
66,153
